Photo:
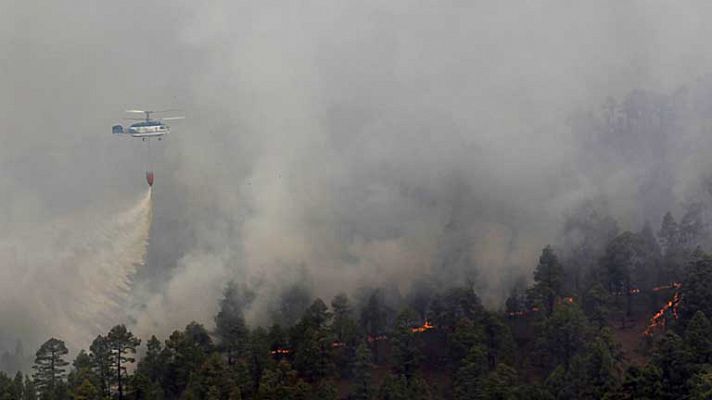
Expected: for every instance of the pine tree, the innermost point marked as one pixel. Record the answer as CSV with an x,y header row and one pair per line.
x,y
596,305
627,266
405,345
313,356
640,383
696,292
500,383
230,328
122,344
317,316
282,383
602,362
259,361
394,388
548,280
18,386
82,370
498,339
701,386
362,373
465,335
668,233
152,363
692,227
101,363
30,390
698,338
49,367
325,390
214,381
85,391
468,378
184,353
563,334
374,314
343,326
672,358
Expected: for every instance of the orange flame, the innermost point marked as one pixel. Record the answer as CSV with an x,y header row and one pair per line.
x,y
420,329
658,320
280,351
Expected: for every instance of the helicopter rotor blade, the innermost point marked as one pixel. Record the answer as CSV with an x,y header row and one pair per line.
x,y
171,118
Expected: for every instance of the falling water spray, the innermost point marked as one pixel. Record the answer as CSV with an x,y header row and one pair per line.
x,y
72,278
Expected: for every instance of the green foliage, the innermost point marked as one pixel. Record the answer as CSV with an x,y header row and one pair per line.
x,y
627,266
548,281
122,345
393,388
282,383
596,305
259,360
49,367
374,315
85,391
343,326
498,339
563,334
313,357
405,346
401,388
230,328
363,384
82,382
701,386
214,381
324,390
100,355
697,290
29,391
500,384
183,354
317,316
673,359
455,304
466,334
698,338
468,378
640,383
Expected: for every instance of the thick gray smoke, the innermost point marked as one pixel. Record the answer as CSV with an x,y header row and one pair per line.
x,y
343,144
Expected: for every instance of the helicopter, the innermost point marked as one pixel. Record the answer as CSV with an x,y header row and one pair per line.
x,y
147,128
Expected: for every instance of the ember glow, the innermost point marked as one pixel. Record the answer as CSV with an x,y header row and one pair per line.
x,y
420,329
674,285
658,320
280,351
372,339
630,291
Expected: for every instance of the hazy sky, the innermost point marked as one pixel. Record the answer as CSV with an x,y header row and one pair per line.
x,y
334,143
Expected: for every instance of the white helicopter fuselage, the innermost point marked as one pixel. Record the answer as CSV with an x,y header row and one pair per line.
x,y
148,129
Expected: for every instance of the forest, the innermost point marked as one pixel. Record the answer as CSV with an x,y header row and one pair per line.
x,y
623,317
